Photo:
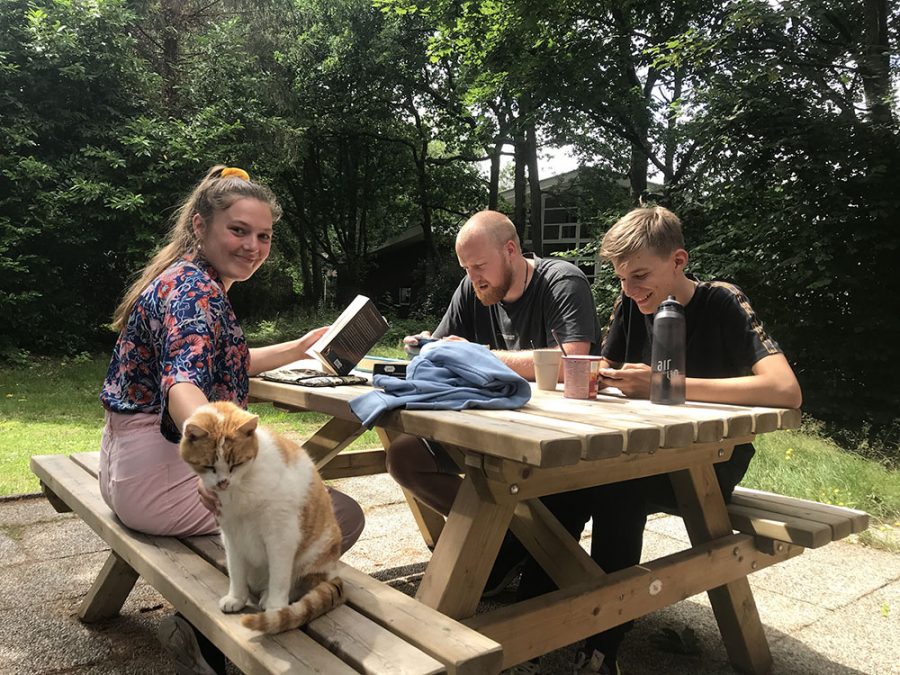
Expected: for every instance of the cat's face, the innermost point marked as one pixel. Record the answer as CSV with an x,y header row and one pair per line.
x,y
219,442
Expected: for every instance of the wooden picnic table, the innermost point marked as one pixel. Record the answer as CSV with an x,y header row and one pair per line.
x,y
552,445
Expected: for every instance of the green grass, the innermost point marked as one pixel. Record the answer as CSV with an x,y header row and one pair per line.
x,y
802,464
51,406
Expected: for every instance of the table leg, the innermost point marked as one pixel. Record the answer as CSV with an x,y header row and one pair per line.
x,y
706,518
466,551
335,435
109,591
551,545
429,521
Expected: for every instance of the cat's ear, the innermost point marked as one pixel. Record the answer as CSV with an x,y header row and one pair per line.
x,y
248,427
193,432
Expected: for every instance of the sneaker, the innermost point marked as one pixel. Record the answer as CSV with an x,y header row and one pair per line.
x,y
596,664
178,638
503,573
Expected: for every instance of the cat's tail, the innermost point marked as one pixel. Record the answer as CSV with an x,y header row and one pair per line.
x,y
323,597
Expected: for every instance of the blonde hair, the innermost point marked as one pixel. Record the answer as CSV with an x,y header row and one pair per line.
x,y
651,228
212,194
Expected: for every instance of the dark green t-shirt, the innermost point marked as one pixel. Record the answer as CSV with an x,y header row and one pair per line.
x,y
557,297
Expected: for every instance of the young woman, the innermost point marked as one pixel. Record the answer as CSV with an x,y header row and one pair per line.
x,y
180,346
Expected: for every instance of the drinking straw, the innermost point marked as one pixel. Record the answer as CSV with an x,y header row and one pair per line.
x,y
558,341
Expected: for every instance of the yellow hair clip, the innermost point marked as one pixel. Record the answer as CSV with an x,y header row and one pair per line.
x,y
234,171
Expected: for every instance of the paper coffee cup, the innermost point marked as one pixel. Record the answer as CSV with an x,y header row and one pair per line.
x,y
546,368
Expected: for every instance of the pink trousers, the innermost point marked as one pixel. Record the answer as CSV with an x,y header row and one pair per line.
x,y
151,489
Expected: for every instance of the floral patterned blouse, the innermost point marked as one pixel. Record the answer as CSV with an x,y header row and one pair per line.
x,y
182,329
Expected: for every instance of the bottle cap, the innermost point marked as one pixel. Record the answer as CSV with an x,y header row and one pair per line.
x,y
670,303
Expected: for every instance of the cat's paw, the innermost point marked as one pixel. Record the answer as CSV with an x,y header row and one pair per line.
x,y
230,604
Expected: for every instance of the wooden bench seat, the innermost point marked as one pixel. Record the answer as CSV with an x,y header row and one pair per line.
x,y
378,630
776,518
792,520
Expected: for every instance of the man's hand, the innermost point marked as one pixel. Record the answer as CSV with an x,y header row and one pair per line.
x,y
632,379
209,499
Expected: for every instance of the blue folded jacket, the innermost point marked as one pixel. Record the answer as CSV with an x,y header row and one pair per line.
x,y
446,376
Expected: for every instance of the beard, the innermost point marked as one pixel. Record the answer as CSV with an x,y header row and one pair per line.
x,y
494,294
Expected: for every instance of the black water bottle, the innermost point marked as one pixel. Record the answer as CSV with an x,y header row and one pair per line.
x,y
667,354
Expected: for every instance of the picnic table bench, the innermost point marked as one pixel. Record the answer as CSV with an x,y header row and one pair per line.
x,y
378,630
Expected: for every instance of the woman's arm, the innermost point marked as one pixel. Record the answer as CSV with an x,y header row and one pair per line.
x,y
184,399
275,356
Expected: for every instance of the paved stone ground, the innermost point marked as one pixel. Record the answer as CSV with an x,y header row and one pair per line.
x,y
834,611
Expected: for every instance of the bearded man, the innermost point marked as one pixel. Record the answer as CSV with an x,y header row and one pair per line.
x,y
511,302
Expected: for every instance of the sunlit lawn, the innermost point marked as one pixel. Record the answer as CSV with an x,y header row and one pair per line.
x,y
52,407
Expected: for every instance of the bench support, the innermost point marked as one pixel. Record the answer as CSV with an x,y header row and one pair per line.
x,y
109,591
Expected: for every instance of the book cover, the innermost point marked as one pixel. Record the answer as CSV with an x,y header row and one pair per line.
x,y
350,337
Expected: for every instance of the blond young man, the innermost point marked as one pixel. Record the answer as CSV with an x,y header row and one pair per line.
x,y
730,359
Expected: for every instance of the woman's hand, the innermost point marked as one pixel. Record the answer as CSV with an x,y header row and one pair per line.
x,y
311,337
209,499
632,379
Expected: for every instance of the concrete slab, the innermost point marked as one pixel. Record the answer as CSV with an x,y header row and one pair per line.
x,y
834,611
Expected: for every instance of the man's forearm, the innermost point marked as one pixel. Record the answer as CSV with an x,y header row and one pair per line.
x,y
522,362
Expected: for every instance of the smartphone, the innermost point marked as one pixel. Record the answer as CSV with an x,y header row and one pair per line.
x,y
413,350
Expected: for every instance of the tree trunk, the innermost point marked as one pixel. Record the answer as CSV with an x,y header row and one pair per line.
x,y
536,211
172,25
494,184
671,122
639,105
519,185
875,65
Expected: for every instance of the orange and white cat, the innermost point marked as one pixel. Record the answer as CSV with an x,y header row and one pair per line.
x,y
281,538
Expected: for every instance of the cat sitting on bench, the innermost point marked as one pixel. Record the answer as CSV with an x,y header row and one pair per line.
x,y
278,526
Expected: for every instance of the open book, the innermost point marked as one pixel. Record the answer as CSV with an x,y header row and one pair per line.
x,y
350,337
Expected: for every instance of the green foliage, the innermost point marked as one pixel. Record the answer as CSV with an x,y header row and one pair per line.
x,y
772,128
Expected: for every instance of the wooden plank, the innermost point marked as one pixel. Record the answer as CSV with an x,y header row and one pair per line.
x,y
462,560
58,504
548,622
429,521
677,428
858,520
463,650
367,646
703,510
357,463
186,580
89,461
638,437
332,437
109,590
532,445
778,525
596,442
554,549
532,482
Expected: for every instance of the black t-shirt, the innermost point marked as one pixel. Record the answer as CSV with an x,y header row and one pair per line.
x,y
724,335
558,296
725,338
